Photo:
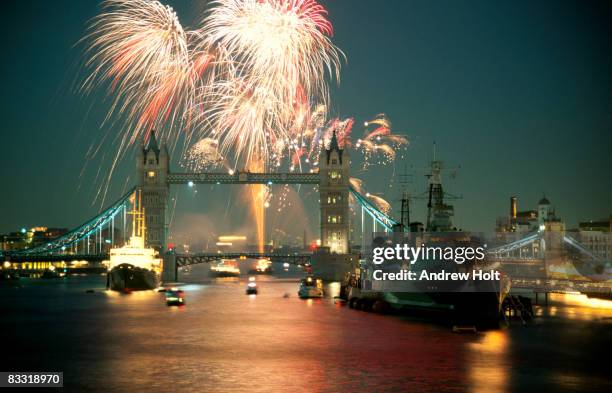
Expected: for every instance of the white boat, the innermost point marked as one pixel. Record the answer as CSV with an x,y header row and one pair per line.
x,y
134,266
251,287
310,287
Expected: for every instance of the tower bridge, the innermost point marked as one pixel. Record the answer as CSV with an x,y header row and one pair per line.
x,y
332,179
90,241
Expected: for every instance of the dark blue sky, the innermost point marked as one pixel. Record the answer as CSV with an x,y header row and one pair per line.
x,y
517,93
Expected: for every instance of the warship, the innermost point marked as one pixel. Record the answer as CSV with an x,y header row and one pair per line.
x,y
463,302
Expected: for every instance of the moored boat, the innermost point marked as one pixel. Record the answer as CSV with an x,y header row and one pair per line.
x,y
134,267
311,287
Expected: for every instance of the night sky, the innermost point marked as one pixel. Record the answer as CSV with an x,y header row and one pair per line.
x,y
518,94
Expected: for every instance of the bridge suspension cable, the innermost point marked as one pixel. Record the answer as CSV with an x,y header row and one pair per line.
x,y
83,231
574,243
515,244
377,216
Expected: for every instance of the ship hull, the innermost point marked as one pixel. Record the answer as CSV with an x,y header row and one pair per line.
x,y
463,308
225,274
265,271
132,278
481,309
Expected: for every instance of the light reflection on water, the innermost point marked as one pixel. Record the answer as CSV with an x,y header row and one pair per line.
x,y
576,306
225,341
488,371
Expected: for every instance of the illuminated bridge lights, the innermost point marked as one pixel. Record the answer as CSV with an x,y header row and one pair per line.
x,y
192,259
243,178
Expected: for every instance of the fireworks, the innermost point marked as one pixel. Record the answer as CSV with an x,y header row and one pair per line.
x,y
249,85
139,50
357,184
343,130
203,154
280,54
380,203
378,144
251,72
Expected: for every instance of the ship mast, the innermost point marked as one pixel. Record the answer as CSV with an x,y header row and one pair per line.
x,y
439,214
138,220
405,179
141,219
435,186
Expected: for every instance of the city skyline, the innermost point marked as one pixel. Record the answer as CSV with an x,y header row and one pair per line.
x,y
518,95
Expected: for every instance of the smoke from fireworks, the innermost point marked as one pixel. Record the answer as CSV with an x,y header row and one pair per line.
x,y
380,203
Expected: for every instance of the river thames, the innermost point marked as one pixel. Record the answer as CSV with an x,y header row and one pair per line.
x,y
225,341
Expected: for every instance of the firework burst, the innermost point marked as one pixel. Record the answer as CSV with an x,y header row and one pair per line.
x,y
379,145
380,203
280,54
203,154
247,77
140,52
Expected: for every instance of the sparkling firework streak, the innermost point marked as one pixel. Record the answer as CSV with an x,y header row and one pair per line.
x,y
380,203
343,130
316,136
247,77
357,184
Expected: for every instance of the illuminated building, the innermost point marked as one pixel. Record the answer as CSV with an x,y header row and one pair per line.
x,y
29,238
596,236
543,218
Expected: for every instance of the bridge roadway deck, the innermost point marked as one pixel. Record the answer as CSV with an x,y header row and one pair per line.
x,y
192,259
182,259
243,178
562,286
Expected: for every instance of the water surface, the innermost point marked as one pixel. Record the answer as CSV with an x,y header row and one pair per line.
x,y
226,341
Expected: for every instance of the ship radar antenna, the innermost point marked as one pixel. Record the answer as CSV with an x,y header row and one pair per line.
x,y
434,150
404,180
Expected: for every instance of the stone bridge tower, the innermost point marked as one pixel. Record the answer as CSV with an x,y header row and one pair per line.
x,y
334,195
153,168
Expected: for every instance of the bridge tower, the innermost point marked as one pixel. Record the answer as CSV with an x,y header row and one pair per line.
x,y
334,197
153,168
